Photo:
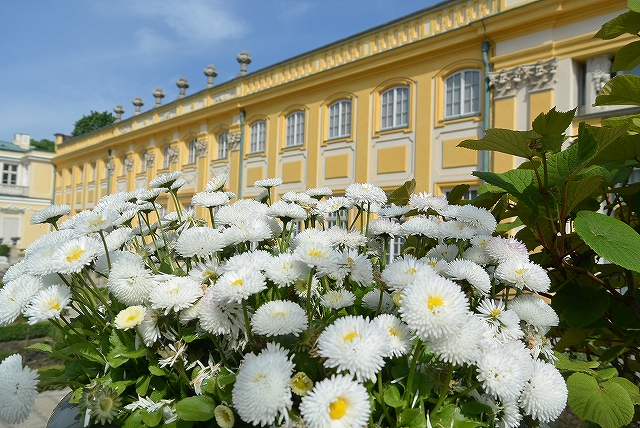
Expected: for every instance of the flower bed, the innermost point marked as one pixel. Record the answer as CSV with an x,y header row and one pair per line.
x,y
243,319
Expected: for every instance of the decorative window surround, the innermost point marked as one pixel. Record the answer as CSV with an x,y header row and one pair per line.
x,y
539,76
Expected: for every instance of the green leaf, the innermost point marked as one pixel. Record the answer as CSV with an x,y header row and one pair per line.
x,y
515,143
552,126
157,371
196,408
572,337
401,195
142,385
457,193
563,363
623,148
630,387
634,5
627,58
391,397
606,374
580,305
610,238
412,418
624,89
579,190
608,404
134,420
518,182
152,419
628,22
86,351
611,353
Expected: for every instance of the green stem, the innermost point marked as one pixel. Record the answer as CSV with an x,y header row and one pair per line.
x,y
412,369
247,324
309,313
382,403
466,391
445,389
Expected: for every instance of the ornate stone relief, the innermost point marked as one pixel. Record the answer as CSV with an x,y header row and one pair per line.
x,y
201,148
538,76
173,154
149,159
128,164
233,141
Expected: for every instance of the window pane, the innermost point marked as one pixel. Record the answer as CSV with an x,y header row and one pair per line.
x,y
290,130
345,129
223,144
402,107
334,112
386,108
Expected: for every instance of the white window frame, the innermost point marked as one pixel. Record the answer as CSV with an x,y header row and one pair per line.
x,y
143,162
192,153
331,219
258,137
340,119
394,108
223,145
462,93
394,248
166,158
295,129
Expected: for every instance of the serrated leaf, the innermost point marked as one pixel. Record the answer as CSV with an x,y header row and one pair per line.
x,y
196,408
579,190
401,195
610,238
630,387
628,22
627,58
515,143
606,374
518,182
623,89
391,397
551,126
563,363
624,148
580,305
608,404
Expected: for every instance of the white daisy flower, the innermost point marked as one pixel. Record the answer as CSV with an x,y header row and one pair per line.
x,y
165,180
74,255
95,221
393,211
236,286
465,346
148,195
118,237
220,317
319,192
339,237
384,227
535,311
404,271
14,271
366,194
522,273
129,280
425,201
317,255
400,337
210,200
51,214
257,260
48,303
250,230
354,344
17,390
49,240
522,354
537,343
206,272
503,323
262,388
478,217
338,402
337,299
434,307
457,230
148,328
286,211
371,300
500,373
279,317
501,249
16,295
430,227
176,293
544,396
477,254
268,183
312,235
216,183
438,265
130,317
474,274
285,270
199,242
443,252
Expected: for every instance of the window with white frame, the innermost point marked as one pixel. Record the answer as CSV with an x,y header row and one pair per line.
x,y
340,119
295,129
468,196
462,94
337,218
395,248
223,145
9,173
394,108
166,157
258,137
143,162
192,152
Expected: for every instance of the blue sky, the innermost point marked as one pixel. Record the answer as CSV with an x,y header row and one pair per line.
x,y
60,60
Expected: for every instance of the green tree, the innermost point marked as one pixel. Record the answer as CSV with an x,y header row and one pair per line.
x,y
44,144
92,121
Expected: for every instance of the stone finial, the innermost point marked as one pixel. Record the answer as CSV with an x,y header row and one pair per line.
x,y
137,102
158,95
210,72
119,111
244,59
182,84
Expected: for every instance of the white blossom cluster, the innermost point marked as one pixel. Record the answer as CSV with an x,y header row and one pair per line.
x,y
252,283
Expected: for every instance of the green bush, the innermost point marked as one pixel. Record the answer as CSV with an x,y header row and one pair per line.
x,y
20,331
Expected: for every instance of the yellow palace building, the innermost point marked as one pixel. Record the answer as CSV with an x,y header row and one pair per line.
x,y
382,106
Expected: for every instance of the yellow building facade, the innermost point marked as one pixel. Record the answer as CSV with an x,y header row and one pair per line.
x,y
383,106
26,186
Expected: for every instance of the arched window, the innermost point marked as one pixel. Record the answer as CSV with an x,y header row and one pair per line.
x,y
394,108
223,145
192,153
340,119
166,157
295,129
462,94
258,137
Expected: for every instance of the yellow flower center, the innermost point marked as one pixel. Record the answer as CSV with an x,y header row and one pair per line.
x,y
350,260
495,313
173,291
278,314
432,264
520,271
54,304
349,337
435,301
237,282
410,271
314,253
75,255
393,332
338,408
96,222
106,404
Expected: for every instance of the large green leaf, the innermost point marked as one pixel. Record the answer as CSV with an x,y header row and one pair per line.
x,y
457,193
196,408
610,238
628,22
515,143
391,397
569,163
624,89
580,305
632,120
623,148
627,58
579,190
401,195
518,182
563,363
608,404
632,390
552,126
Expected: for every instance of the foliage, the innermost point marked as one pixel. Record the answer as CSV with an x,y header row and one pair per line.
x,y
582,211
22,330
44,144
4,250
92,121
